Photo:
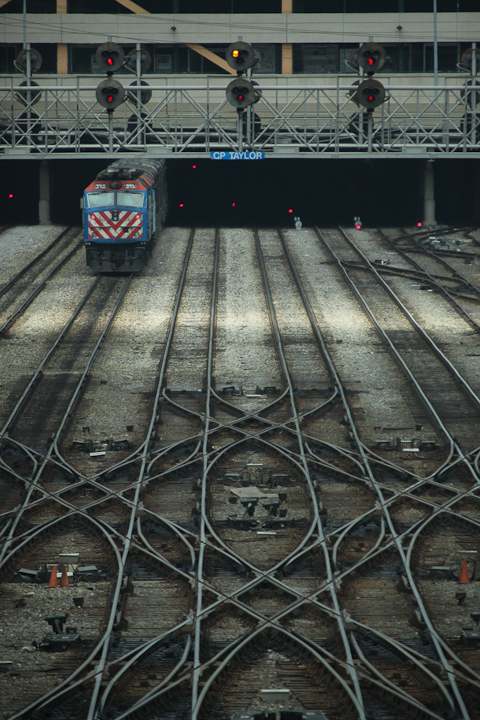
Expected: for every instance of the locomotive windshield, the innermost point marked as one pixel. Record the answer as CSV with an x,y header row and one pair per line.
x,y
100,199
130,199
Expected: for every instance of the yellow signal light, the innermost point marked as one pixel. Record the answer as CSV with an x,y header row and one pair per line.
x,y
235,53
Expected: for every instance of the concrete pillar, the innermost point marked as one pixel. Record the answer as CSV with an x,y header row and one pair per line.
x,y
429,195
287,59
476,193
62,59
44,202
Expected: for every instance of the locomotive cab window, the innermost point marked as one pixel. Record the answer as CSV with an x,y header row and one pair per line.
x,y
102,199
130,199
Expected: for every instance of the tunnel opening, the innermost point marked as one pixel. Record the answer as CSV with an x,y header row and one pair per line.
x,y
264,193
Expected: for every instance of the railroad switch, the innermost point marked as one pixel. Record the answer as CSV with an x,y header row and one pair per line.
x,y
242,523
277,523
57,622
441,572
278,479
473,636
231,390
272,507
60,641
250,505
90,574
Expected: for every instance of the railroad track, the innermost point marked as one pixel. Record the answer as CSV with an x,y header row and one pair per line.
x,y
263,542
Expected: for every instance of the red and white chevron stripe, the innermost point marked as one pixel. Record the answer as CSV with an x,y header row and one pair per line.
x,y
101,224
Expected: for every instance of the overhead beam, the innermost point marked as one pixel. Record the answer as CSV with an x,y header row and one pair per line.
x,y
216,59
211,56
133,7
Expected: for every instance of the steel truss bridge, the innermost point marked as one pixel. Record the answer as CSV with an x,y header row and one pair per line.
x,y
310,121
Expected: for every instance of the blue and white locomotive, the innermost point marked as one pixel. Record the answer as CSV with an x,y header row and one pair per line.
x,y
124,209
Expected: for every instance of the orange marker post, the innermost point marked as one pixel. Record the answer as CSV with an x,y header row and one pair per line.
x,y
464,572
53,578
64,578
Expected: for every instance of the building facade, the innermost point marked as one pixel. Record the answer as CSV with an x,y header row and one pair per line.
x,y
310,38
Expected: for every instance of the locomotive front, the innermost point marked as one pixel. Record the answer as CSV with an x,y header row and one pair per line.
x,y
116,224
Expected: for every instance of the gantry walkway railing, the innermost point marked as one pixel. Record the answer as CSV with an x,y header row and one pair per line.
x,y
196,120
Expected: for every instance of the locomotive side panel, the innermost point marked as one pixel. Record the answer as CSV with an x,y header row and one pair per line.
x,y
124,209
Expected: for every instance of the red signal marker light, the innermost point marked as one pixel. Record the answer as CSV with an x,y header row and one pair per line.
x,y
233,204
290,210
419,224
358,227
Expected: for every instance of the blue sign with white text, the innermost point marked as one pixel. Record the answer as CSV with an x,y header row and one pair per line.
x,y
254,155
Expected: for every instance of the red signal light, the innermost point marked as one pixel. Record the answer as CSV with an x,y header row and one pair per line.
x,y
290,210
110,98
358,227
10,196
194,167
419,224
233,204
109,61
370,61
239,97
181,205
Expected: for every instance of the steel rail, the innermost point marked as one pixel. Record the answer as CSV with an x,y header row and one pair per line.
x,y
365,458
447,292
28,301
442,261
53,446
204,480
65,686
39,371
419,275
395,536
467,389
5,288
94,701
304,462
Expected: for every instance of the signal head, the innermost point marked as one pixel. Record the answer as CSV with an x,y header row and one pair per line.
x,y
241,93
35,59
371,57
110,94
145,59
110,57
241,56
370,93
357,223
